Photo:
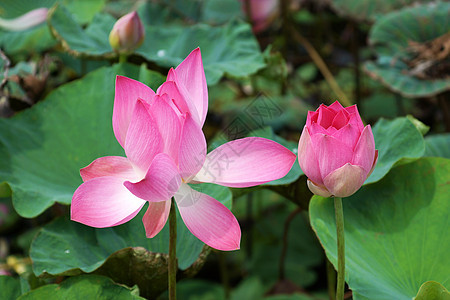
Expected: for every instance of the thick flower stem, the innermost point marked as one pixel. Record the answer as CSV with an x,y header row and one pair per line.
x,y
172,252
340,247
123,58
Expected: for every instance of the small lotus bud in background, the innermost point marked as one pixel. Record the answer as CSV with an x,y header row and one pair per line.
x,y
26,21
127,34
336,152
261,12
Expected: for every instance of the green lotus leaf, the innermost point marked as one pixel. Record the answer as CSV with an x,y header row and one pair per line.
x,y
84,287
396,231
401,39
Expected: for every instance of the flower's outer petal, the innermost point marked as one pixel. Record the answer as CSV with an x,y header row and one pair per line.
x,y
156,217
160,183
336,107
355,118
316,128
349,135
169,126
317,189
326,116
208,219
374,163
117,166
176,97
128,91
307,157
191,80
246,162
143,140
364,152
331,153
340,119
192,149
345,181
104,202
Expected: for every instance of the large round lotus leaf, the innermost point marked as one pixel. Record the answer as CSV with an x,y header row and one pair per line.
x,y
396,231
368,10
43,148
84,287
230,48
408,43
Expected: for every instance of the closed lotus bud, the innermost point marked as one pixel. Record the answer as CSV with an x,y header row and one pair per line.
x,y
262,12
127,34
336,152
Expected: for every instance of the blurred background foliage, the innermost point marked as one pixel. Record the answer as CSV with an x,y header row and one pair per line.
x,y
391,58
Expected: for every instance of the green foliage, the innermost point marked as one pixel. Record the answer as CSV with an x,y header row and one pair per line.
x,y
432,290
167,46
397,67
87,287
396,231
395,140
438,145
9,287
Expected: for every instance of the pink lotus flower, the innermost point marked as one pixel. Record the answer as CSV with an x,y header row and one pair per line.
x,y
336,152
26,21
165,150
127,34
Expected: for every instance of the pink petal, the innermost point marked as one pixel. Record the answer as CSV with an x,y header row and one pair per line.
x,y
331,153
316,128
156,217
117,166
192,83
143,139
128,91
160,183
208,219
307,157
104,202
355,118
169,126
246,162
326,116
311,118
374,163
345,181
349,135
364,152
179,102
336,107
340,120
192,149
318,189
28,20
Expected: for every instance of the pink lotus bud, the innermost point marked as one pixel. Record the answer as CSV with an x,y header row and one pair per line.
x,y
336,152
262,12
127,34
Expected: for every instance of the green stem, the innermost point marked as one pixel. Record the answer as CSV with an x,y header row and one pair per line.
x,y
172,252
123,58
341,247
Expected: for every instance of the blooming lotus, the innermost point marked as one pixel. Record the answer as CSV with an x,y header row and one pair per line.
x,y
336,152
165,149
